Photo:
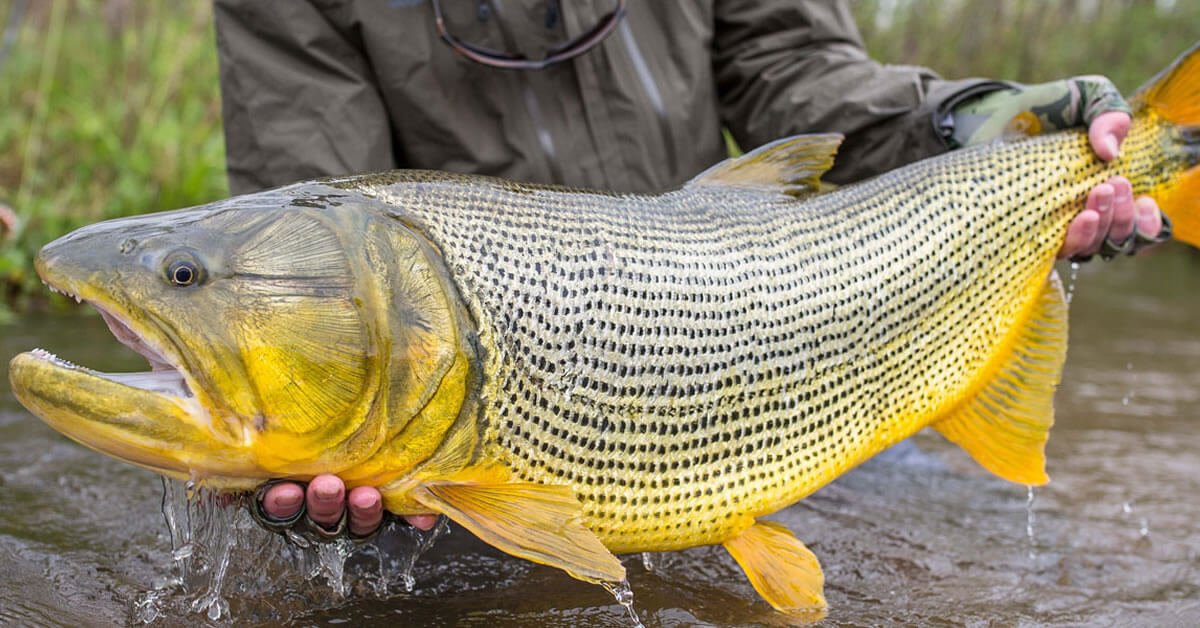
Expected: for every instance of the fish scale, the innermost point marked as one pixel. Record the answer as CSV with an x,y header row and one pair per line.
x,y
690,360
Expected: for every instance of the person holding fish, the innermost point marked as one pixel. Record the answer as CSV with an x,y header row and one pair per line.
x,y
604,95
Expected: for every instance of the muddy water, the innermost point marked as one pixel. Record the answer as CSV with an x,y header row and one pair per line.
x,y
917,536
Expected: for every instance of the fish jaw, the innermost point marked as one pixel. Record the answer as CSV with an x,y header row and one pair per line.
x,y
162,430
159,419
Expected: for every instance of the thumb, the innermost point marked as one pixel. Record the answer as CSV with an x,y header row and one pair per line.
x,y
1107,132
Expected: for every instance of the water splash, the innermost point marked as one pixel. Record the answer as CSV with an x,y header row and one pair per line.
x,y
1029,522
212,517
648,561
223,567
623,593
421,542
331,563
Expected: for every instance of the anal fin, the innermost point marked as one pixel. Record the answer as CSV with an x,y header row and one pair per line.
x,y
1004,427
536,522
783,571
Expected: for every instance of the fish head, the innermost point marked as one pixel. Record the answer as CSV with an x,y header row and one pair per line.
x,y
289,333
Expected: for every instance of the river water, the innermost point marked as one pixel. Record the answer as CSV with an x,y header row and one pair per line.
x,y
917,536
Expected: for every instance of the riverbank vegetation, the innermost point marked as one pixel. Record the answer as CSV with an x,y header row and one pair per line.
x,y
107,108
111,107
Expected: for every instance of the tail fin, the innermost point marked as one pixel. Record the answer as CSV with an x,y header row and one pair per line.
x,y
1174,96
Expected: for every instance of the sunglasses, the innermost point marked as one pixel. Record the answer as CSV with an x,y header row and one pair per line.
x,y
562,52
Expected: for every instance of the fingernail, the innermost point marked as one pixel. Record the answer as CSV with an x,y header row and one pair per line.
x,y
326,493
287,500
1114,147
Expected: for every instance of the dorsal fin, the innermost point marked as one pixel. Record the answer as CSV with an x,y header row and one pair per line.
x,y
792,165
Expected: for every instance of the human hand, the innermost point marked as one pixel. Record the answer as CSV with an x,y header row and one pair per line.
x,y
325,502
1112,221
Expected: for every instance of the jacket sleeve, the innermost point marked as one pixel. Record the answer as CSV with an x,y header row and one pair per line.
x,y
298,100
788,67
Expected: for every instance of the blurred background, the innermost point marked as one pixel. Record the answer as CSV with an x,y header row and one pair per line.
x,y
111,107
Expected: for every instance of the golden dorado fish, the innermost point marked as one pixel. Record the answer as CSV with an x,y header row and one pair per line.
x,y
574,374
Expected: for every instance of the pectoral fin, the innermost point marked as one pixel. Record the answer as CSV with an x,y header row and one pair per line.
x,y
531,521
781,568
1006,424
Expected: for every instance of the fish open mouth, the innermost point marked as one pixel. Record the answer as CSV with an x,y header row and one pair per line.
x,y
164,376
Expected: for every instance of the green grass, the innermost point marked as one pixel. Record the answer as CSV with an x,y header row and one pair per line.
x,y
111,107
106,109
1032,40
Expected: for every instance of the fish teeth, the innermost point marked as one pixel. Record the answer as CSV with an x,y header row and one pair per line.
x,y
55,290
46,355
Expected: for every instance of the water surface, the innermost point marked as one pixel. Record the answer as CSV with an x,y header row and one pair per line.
x,y
919,535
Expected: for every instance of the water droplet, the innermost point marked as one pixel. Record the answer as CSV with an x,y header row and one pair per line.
x,y
1071,281
217,609
1126,508
1029,521
623,593
647,561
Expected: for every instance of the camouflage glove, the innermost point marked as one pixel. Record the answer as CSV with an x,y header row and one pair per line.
x,y
1034,109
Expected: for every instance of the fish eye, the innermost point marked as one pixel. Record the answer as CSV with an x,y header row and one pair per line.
x,y
184,271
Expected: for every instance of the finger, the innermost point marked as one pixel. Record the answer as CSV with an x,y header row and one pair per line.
x,y
326,500
1123,212
1099,203
1107,132
422,522
282,501
1081,234
366,510
1104,210
1149,219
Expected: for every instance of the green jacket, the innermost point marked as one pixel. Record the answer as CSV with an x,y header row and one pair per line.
x,y
323,87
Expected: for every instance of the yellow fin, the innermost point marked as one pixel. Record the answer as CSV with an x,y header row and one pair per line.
x,y
532,521
1006,425
1180,201
792,165
782,570
1174,93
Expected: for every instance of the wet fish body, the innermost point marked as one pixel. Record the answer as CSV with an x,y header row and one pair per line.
x,y
570,374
